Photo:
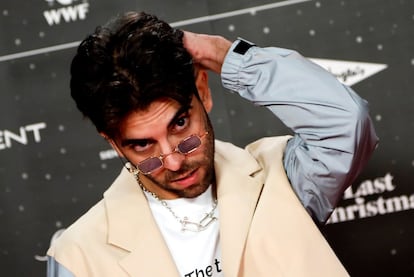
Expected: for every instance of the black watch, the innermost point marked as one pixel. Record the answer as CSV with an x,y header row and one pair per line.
x,y
242,47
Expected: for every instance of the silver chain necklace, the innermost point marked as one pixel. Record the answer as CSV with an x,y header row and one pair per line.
x,y
186,224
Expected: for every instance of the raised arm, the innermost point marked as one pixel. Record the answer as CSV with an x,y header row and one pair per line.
x,y
334,136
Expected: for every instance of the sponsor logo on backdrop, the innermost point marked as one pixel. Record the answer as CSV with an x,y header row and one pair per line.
x,y
372,198
24,135
65,11
350,72
108,154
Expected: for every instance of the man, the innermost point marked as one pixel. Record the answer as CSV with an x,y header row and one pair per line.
x,y
187,204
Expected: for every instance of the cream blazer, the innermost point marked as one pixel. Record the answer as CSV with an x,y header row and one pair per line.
x,y
264,229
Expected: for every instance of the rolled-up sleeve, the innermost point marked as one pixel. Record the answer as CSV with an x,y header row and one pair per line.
x,y
334,135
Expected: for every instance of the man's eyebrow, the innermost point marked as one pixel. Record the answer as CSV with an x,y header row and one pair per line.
x,y
126,142
134,141
182,110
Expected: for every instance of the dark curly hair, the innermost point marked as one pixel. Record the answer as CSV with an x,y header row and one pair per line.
x,y
127,64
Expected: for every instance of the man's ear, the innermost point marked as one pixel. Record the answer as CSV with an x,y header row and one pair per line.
x,y
203,89
112,143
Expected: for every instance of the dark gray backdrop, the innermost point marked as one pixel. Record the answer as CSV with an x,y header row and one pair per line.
x,y
53,166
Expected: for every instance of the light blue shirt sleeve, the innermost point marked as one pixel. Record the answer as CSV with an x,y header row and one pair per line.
x,y
55,269
334,135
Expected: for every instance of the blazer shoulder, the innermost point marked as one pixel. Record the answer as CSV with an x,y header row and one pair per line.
x,y
268,148
91,226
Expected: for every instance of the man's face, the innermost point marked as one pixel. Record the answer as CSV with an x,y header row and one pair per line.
x,y
157,131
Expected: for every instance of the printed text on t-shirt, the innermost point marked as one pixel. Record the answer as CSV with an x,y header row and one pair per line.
x,y
208,271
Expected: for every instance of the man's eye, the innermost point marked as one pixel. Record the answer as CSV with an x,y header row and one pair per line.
x,y
181,123
140,146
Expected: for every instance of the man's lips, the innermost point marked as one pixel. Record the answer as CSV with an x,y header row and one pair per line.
x,y
187,180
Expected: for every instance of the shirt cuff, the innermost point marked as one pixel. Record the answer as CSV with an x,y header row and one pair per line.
x,y
233,62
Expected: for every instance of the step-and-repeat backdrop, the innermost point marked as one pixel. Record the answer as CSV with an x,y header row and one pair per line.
x,y
53,165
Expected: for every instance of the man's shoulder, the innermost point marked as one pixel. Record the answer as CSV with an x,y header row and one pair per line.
x,y
90,226
265,144
93,224
261,152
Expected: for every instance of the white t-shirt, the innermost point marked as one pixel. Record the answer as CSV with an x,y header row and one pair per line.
x,y
195,253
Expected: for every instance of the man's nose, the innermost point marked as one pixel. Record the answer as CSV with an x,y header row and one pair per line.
x,y
173,160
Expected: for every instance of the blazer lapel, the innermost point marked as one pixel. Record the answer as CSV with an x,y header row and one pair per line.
x,y
132,228
237,193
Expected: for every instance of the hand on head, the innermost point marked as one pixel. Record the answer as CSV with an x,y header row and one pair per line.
x,y
208,51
